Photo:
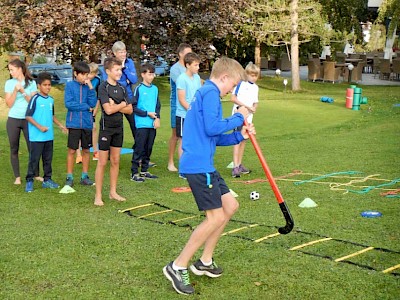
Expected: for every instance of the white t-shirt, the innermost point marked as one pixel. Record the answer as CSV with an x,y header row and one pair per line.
x,y
247,93
18,110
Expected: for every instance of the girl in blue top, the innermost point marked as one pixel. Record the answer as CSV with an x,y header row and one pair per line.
x,y
18,92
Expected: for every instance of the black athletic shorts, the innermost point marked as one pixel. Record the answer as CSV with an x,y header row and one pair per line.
x,y
207,189
76,135
179,126
110,137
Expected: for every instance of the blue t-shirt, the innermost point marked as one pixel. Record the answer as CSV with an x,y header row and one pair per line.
x,y
41,109
204,130
190,85
18,109
145,99
176,70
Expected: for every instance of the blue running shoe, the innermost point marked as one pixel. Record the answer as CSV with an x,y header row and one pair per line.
x,y
29,186
86,181
50,184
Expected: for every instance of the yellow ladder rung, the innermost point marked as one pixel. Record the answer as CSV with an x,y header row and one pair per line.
x,y
354,254
136,207
183,219
155,213
391,269
310,243
239,229
266,237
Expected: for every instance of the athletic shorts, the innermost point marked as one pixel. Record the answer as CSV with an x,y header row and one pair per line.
x,y
110,137
76,135
179,126
207,189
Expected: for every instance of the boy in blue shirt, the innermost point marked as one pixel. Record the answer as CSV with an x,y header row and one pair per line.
x,y
80,99
177,69
40,117
205,122
146,108
186,86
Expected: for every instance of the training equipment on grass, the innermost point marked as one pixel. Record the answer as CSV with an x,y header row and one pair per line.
x,y
233,193
230,165
307,203
66,190
349,98
282,204
250,231
338,186
358,99
254,195
326,99
181,189
371,214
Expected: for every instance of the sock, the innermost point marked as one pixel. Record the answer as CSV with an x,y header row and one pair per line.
x,y
69,175
177,268
207,264
84,175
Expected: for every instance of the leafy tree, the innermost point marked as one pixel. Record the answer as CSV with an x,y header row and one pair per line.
x,y
166,24
82,29
390,9
287,22
41,26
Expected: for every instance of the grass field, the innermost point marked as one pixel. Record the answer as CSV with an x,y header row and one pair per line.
x,y
61,246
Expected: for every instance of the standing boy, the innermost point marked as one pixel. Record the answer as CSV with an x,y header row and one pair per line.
x,y
207,126
40,117
186,86
95,81
146,107
114,103
245,94
177,69
80,100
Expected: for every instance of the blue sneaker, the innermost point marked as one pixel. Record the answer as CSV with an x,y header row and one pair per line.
x,y
69,181
86,181
182,176
29,186
50,184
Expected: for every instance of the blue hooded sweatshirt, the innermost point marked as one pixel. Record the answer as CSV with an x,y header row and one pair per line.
x,y
79,99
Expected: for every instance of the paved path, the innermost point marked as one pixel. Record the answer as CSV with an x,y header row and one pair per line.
x,y
368,79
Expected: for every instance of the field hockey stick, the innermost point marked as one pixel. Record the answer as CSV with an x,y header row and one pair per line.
x,y
282,204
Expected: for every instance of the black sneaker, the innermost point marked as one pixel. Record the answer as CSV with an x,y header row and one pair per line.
x,y
180,279
199,268
148,175
136,178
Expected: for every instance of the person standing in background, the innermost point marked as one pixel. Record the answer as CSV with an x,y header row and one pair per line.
x,y
177,69
18,92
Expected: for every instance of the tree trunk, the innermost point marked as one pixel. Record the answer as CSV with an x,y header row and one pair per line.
x,y
257,53
294,40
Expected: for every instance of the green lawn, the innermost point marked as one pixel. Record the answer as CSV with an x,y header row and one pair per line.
x,y
61,246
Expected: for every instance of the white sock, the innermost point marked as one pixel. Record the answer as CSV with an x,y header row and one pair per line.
x,y
207,264
177,268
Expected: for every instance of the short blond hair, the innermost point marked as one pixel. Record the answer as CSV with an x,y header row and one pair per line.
x,y
94,68
229,66
252,69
